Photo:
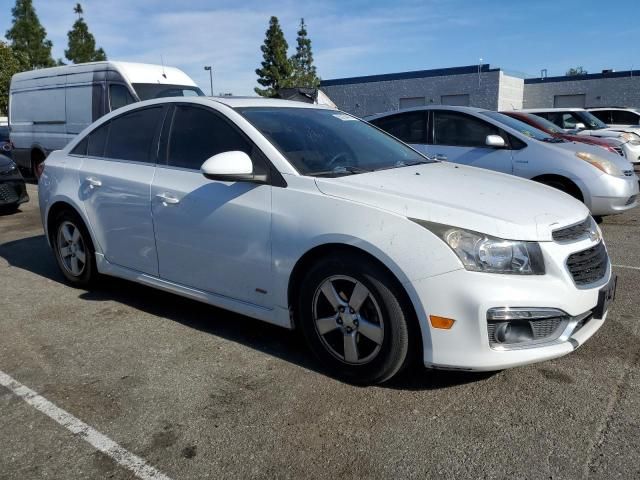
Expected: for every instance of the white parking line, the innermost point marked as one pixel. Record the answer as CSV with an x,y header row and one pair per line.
x,y
627,266
76,426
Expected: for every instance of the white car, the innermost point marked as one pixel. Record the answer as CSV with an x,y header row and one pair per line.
x,y
308,217
582,122
604,181
618,117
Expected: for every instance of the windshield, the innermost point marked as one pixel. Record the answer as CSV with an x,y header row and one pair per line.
x,y
591,121
147,91
523,128
544,123
321,142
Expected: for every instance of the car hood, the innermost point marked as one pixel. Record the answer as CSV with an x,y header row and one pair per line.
x,y
493,203
621,162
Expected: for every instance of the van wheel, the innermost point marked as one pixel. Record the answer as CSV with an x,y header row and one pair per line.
x,y
37,164
73,249
354,319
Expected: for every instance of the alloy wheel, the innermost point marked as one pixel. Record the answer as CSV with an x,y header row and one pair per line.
x,y
71,248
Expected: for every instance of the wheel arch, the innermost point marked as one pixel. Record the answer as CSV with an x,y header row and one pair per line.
x,y
573,188
61,205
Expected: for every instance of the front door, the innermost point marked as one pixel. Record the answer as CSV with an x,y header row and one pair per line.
x,y
460,138
115,182
211,235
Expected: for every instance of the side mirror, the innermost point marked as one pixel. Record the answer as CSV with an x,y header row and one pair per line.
x,y
580,126
495,141
234,166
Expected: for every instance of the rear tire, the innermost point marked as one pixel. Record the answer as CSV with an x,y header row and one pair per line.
x,y
354,317
73,249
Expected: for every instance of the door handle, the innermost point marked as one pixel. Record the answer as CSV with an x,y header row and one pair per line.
x,y
167,199
441,156
93,182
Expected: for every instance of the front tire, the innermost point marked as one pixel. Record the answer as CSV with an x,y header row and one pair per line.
x,y
74,249
355,319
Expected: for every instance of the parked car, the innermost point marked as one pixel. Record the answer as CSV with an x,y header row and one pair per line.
x,y
605,182
13,190
579,121
5,144
49,106
304,216
617,117
613,145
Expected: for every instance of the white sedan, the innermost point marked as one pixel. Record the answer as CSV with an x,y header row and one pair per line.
x,y
306,217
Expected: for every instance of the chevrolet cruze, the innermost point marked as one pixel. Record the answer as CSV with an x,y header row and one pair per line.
x,y
309,218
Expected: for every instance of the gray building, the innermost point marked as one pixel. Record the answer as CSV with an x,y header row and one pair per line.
x,y
480,86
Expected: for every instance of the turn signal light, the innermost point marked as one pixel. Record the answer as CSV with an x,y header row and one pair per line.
x,y
441,322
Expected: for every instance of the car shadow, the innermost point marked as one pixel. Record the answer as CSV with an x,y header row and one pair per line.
x,y
33,254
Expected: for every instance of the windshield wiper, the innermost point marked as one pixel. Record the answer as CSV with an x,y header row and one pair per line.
x,y
553,140
339,171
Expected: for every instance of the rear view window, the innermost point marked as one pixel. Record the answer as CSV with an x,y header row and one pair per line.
x,y
131,136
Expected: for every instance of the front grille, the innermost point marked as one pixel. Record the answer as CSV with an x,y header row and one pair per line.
x,y
619,151
632,199
573,232
628,173
588,266
8,193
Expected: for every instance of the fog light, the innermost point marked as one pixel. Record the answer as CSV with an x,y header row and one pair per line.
x,y
514,332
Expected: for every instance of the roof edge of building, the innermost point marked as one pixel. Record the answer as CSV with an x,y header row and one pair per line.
x,y
587,76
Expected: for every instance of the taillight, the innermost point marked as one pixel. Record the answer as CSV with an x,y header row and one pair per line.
x,y
39,168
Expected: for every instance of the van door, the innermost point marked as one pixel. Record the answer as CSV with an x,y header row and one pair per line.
x,y
460,138
115,183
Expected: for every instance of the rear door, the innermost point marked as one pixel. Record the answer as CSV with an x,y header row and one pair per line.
x,y
461,138
115,182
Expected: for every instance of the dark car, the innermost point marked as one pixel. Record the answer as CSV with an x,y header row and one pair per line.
x,y
552,129
13,190
5,144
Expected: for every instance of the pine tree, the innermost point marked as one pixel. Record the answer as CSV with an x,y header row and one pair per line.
x,y
28,36
82,44
12,62
304,72
276,67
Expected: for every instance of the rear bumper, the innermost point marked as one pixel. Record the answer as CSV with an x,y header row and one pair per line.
x,y
13,192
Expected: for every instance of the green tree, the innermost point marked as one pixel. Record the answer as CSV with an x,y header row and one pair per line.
x,y
276,67
12,62
28,36
82,44
573,71
304,71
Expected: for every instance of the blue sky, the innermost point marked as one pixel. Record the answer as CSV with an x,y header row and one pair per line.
x,y
352,38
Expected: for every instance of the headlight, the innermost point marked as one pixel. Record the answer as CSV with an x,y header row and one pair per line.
x,y
600,163
481,253
632,138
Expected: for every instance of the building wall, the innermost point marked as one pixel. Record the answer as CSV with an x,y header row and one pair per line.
x,y
511,92
599,92
364,99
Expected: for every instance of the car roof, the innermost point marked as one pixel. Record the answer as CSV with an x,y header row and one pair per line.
x,y
425,108
555,109
235,102
626,109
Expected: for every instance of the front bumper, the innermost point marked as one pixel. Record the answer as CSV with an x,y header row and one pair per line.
x,y
13,192
615,195
467,296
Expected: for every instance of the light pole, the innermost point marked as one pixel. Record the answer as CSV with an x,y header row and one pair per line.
x,y
210,70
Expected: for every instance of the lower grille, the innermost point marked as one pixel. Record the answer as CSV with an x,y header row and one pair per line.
x,y
632,199
538,331
588,266
8,193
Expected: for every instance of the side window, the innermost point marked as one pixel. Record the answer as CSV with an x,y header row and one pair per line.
x,y
408,127
460,130
622,117
81,148
119,96
97,141
604,115
569,120
197,134
131,136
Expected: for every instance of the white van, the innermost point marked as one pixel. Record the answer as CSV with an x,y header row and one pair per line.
x,y
48,107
